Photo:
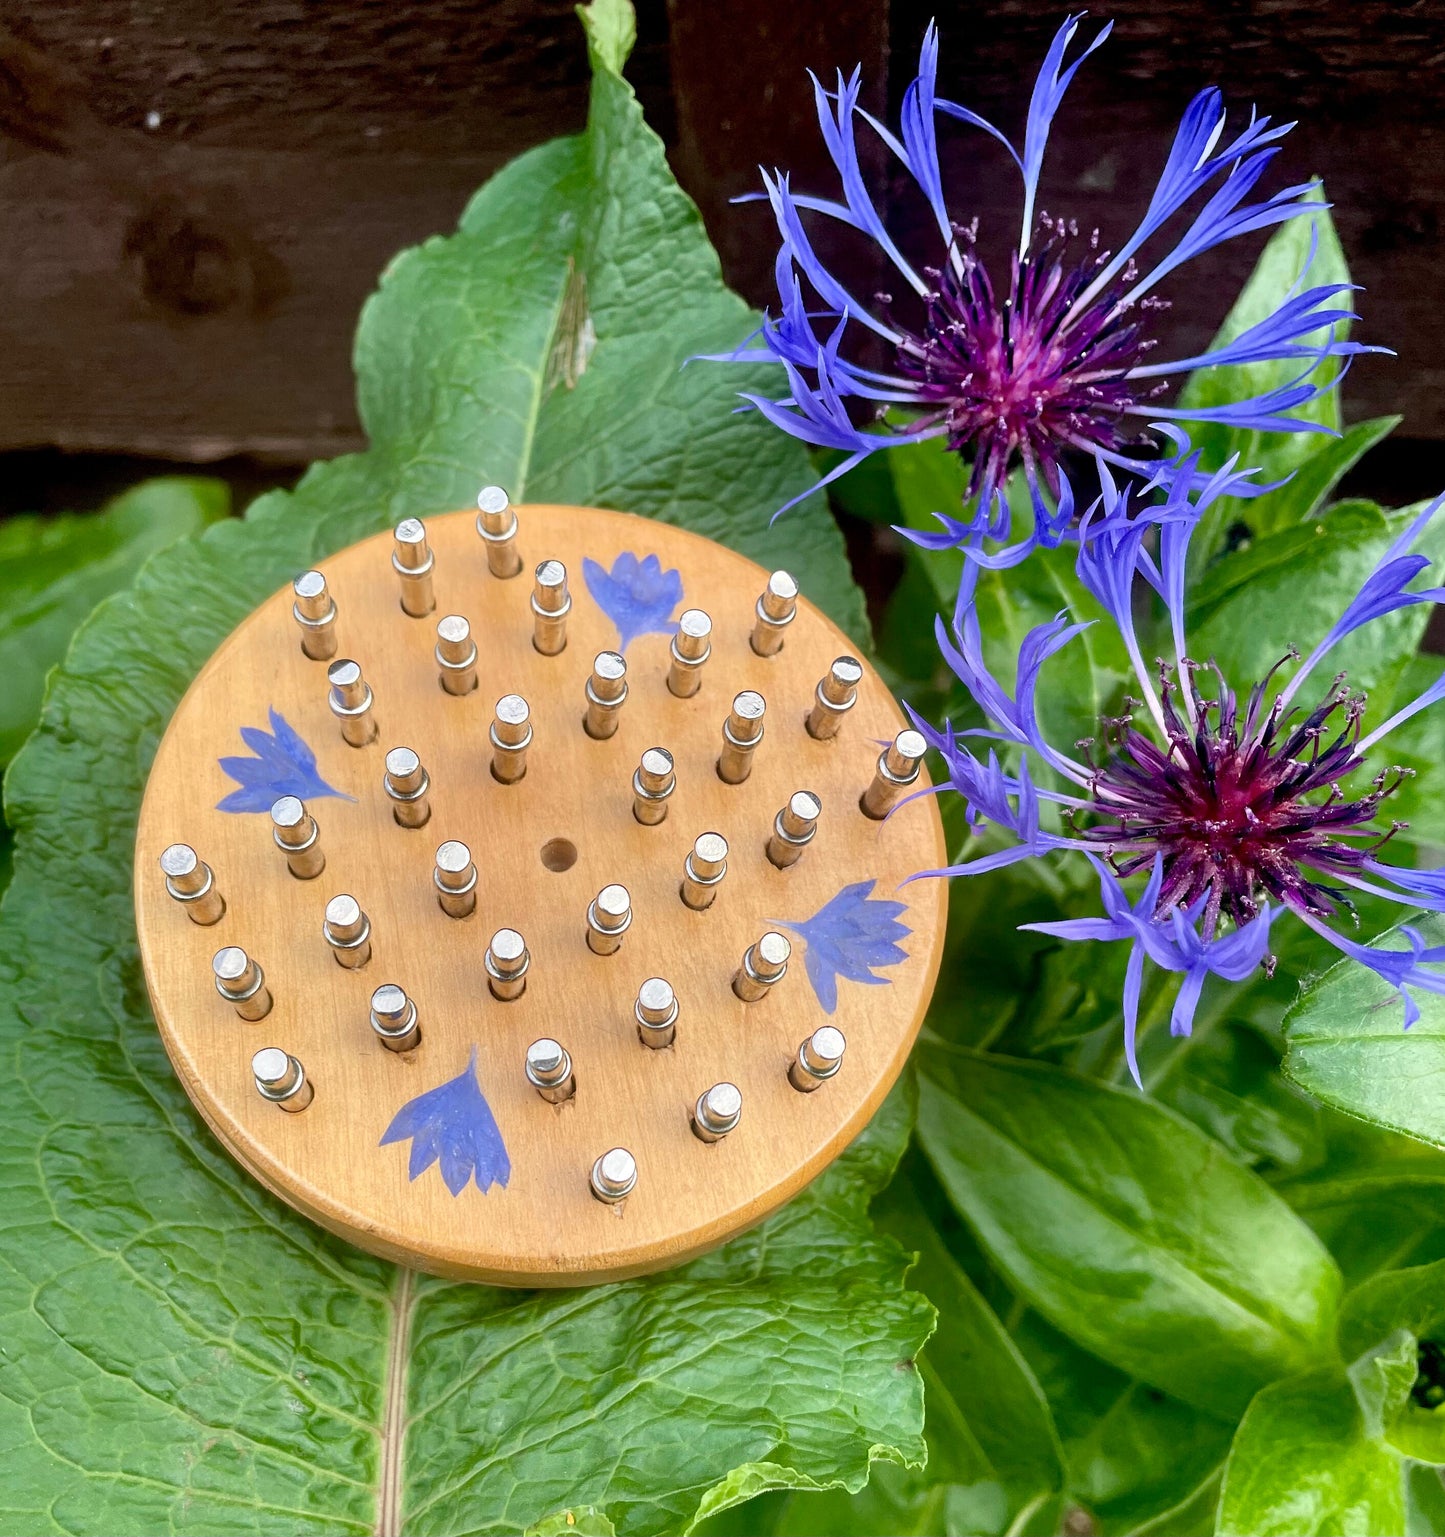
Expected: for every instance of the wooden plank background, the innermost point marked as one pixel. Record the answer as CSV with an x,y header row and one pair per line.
x,y
198,195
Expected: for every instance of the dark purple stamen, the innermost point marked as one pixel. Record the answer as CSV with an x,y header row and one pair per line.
x,y
1238,812
1013,379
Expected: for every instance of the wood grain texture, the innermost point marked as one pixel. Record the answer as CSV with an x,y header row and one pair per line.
x,y
544,1228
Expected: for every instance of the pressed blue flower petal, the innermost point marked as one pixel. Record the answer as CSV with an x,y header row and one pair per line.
x,y
851,936
282,764
453,1126
638,596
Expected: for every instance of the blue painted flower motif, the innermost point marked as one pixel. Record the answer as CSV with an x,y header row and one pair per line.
x,y
638,596
1233,805
453,1123
1054,358
282,765
848,937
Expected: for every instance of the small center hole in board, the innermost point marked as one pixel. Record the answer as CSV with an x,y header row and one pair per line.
x,y
559,854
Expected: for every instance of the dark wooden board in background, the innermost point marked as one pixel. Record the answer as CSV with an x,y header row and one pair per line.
x,y
197,198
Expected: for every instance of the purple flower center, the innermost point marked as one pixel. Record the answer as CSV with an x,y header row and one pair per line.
x,y
1240,810
1036,376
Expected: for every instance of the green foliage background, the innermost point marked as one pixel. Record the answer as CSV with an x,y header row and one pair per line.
x,y
1195,1309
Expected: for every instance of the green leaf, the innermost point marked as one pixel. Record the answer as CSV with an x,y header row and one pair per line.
x,y
1277,454
1081,1193
1288,589
1306,495
1135,1456
1304,1461
1347,1045
574,1523
1083,681
1226,1080
1419,744
1377,1200
994,1462
182,1353
1424,1502
989,1423
53,571
1412,1300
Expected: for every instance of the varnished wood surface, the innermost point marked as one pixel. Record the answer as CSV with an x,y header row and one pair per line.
x,y
544,1228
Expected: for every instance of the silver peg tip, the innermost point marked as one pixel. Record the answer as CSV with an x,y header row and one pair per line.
x,y
614,1176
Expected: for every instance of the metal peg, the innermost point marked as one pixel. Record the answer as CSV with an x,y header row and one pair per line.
x,y
412,560
551,603
393,1018
775,611
350,701
717,1112
315,612
407,783
897,769
456,654
819,1058
691,647
507,960
281,1079
656,1013
653,782
455,878
348,932
548,1068
497,524
836,694
609,916
190,882
241,982
764,964
606,694
298,838
511,736
742,731
793,828
614,1176
703,870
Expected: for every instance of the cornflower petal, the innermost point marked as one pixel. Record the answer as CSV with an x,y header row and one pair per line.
x,y
1053,81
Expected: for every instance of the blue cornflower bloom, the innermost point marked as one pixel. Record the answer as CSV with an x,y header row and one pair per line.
x,y
1054,363
1236,808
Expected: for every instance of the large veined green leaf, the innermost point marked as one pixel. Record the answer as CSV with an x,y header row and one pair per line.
x,y
53,571
1127,1228
1348,1045
181,1353
994,1462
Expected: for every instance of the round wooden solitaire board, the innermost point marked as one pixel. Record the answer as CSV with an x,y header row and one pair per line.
x,y
542,1227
